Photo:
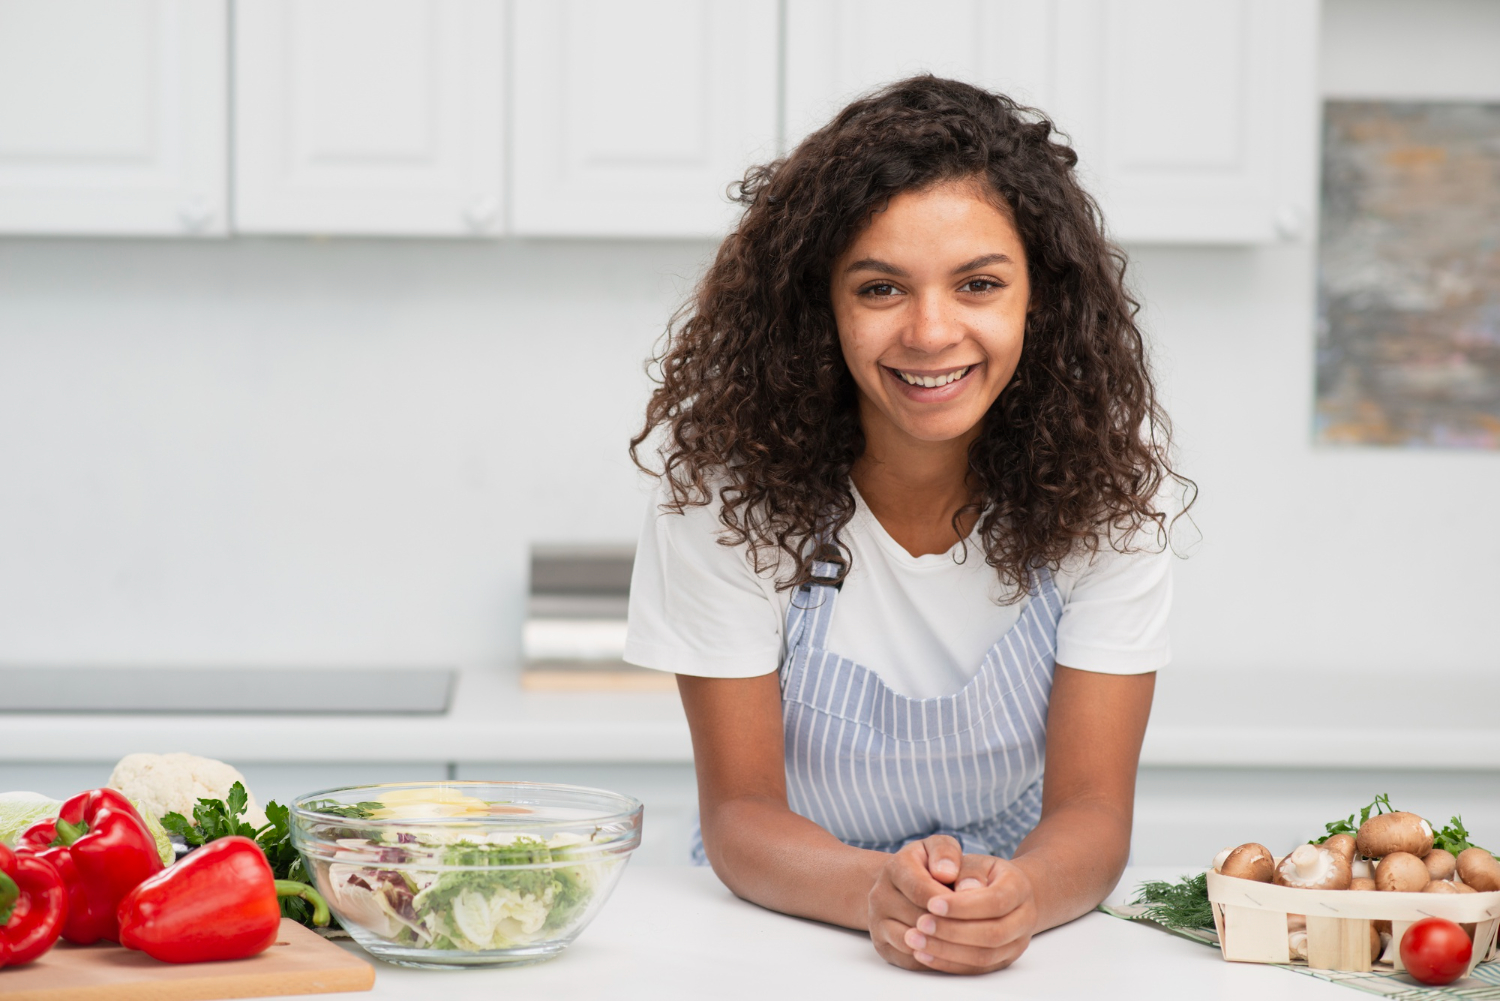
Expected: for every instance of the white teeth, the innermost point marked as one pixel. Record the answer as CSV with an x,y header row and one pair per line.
x,y
933,381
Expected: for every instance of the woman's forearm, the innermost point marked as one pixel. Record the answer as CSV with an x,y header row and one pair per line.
x,y
1074,858
773,857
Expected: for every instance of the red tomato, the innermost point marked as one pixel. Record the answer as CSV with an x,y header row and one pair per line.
x,y
1436,951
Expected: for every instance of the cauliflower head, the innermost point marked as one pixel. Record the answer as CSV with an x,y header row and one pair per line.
x,y
160,784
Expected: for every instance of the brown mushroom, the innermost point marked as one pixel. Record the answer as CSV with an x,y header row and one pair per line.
x,y
1362,883
1479,869
1401,872
1310,867
1376,945
1249,861
1394,832
1442,886
1342,844
1462,887
1440,863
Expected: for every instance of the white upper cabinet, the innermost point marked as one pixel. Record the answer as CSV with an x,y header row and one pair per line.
x,y
369,117
632,119
1195,120
839,49
112,117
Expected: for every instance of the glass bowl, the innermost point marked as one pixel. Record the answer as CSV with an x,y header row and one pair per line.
x,y
463,874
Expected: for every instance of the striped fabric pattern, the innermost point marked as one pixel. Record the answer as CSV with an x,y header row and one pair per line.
x,y
879,770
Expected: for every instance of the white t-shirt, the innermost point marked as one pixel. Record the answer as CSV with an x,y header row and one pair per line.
x,y
922,623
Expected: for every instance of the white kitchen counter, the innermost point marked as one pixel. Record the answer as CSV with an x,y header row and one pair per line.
x,y
670,934
1200,721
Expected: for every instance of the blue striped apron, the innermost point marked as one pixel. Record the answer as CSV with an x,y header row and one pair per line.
x,y
879,770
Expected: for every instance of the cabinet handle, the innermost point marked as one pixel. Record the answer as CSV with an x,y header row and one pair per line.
x,y
195,213
481,212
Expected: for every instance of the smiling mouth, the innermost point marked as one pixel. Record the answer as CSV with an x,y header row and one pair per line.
x,y
931,381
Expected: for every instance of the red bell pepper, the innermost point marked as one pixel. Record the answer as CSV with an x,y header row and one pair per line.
x,y
103,850
219,902
33,907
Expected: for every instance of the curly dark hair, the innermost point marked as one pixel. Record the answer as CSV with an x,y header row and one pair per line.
x,y
755,402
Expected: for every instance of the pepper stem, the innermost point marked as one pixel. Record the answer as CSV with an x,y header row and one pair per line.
x,y
9,894
292,888
68,833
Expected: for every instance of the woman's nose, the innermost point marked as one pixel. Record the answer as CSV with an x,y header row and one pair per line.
x,y
933,326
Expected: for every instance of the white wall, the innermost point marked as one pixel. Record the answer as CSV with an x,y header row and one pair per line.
x,y
1343,559
299,451
309,452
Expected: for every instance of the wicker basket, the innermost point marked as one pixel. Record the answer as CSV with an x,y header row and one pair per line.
x,y
1252,921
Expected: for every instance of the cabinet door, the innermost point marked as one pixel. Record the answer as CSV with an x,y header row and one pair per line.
x,y
839,49
634,118
382,117
1196,120
112,117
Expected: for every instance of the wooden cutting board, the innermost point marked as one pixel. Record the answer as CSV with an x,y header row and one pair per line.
x,y
301,962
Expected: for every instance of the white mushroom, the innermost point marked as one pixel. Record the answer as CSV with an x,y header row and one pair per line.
x,y
1310,867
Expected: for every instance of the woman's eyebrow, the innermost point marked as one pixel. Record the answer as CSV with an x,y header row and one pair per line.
x,y
871,264
981,262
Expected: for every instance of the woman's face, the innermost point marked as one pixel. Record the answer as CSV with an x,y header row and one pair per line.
x,y
930,301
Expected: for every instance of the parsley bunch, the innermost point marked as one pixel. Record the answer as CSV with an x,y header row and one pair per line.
x,y
1382,804
221,818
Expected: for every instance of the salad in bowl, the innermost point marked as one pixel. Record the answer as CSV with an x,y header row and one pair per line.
x,y
455,874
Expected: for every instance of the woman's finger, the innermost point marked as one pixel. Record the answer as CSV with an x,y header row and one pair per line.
x,y
944,857
1007,889
975,872
886,901
908,872
984,934
927,961
963,958
892,933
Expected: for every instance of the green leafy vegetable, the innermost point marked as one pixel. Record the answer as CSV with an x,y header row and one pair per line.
x,y
1454,837
19,810
220,819
355,811
1183,904
1381,804
496,908
213,819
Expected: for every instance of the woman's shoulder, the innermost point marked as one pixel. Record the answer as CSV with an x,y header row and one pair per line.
x,y
687,528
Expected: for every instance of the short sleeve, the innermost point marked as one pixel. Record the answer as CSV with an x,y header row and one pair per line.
x,y
1115,618
696,606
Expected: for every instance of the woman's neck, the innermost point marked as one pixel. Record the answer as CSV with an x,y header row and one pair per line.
x,y
914,488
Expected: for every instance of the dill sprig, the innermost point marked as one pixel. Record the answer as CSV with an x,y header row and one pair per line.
x,y
1183,904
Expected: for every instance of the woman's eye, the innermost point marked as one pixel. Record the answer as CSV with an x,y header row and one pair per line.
x,y
880,290
981,285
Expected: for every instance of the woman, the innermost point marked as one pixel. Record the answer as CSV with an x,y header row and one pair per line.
x,y
907,557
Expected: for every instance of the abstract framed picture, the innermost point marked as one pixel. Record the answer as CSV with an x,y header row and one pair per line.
x,y
1408,346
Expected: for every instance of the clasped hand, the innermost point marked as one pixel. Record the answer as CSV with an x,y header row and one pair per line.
x,y
934,908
